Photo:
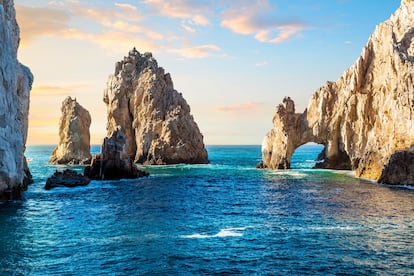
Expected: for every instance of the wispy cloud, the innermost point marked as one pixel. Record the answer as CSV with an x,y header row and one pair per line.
x,y
56,90
238,107
257,18
191,13
38,21
120,23
262,63
202,51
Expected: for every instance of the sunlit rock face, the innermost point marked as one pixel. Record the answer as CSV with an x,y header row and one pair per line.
x,y
366,115
74,136
159,128
15,85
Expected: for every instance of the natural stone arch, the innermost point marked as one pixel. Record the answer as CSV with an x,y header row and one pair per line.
x,y
292,130
307,156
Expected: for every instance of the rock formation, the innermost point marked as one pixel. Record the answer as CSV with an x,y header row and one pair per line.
x,y
67,178
15,85
400,168
74,137
366,115
159,128
113,162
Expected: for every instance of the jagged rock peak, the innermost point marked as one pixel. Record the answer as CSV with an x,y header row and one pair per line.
x,y
113,162
159,127
366,115
15,85
74,136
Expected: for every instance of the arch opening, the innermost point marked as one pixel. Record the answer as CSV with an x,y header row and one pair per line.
x,y
307,156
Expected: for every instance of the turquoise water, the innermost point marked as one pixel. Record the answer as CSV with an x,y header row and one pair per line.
x,y
224,218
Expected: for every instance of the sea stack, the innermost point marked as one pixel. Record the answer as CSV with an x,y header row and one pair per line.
x,y
74,137
15,85
159,128
363,118
113,163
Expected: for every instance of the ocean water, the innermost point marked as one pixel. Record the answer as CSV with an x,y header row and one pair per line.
x,y
224,218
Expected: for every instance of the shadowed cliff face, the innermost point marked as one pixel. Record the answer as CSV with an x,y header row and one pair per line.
x,y
159,128
363,117
15,85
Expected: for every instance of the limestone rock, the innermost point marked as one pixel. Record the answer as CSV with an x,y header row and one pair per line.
x,y
74,137
113,162
366,115
159,128
67,178
400,168
15,85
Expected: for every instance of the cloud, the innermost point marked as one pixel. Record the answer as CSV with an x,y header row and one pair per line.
x,y
202,51
37,21
258,18
114,28
191,13
182,9
262,63
238,107
55,90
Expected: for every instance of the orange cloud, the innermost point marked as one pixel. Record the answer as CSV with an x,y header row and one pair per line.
x,y
202,51
35,21
238,107
51,90
256,18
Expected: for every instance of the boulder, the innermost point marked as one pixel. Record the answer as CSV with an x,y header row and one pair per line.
x,y
159,127
74,137
67,178
399,169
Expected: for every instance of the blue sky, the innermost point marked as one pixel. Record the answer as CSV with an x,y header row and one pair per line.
x,y
234,61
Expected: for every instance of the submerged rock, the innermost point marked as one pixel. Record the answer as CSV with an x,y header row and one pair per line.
x,y
365,116
74,137
159,128
113,163
67,178
15,85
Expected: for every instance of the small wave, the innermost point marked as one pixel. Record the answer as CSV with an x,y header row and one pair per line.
x,y
289,173
225,232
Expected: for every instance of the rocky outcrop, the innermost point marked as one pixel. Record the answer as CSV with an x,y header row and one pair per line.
x,y
400,168
113,162
366,115
67,178
15,85
74,137
159,128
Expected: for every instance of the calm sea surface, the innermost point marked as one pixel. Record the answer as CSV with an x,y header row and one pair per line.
x,y
225,218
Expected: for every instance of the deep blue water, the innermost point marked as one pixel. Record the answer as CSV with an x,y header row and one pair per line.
x,y
224,218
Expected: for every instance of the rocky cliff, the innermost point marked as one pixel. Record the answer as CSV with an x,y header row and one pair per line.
x,y
15,85
159,128
366,115
113,162
74,137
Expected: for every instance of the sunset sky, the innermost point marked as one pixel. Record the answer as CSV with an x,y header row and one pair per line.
x,y
233,61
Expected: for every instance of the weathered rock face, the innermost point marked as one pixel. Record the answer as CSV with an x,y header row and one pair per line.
x,y
159,128
15,85
67,178
400,168
366,115
74,144
114,162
